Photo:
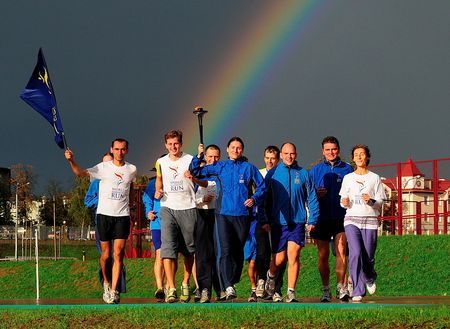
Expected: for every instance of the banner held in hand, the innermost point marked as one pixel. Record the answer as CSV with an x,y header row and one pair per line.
x,y
39,94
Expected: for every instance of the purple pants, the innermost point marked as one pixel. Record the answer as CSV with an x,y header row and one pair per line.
x,y
362,244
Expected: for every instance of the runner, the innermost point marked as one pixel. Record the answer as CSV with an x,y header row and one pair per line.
x,y
152,210
327,177
91,201
262,237
178,213
289,189
205,253
113,213
236,178
362,194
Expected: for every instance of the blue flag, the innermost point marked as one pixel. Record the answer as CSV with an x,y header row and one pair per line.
x,y
40,96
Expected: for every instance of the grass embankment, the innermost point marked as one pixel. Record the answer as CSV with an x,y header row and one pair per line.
x,y
211,316
406,266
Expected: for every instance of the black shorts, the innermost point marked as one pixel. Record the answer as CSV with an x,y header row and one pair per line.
x,y
112,228
325,230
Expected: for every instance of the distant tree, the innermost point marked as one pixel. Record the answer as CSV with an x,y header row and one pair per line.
x,y
142,180
79,214
5,194
56,196
22,182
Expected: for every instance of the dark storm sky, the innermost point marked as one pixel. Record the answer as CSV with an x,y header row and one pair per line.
x,y
373,72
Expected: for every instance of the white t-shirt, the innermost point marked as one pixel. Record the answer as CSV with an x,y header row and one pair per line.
x,y
178,190
211,189
353,187
114,187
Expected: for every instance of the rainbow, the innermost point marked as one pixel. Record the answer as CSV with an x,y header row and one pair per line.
x,y
271,37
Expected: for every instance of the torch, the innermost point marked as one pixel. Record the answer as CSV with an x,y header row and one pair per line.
x,y
200,112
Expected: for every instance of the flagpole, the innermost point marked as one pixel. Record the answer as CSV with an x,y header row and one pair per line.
x,y
66,146
37,261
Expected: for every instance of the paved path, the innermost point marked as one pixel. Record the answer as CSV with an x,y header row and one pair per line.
x,y
372,301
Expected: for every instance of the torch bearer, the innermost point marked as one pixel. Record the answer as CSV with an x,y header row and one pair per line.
x,y
200,112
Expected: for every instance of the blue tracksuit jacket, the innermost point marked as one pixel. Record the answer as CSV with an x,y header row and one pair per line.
x,y
150,203
288,191
235,181
330,176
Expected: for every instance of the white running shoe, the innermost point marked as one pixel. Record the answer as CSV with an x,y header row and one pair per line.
x,y
277,298
290,297
106,292
231,293
260,288
114,297
342,292
357,299
350,289
371,287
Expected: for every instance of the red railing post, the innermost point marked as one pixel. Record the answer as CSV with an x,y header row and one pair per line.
x,y
418,218
436,196
445,216
399,199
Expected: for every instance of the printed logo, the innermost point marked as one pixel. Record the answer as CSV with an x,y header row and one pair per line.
x,y
119,177
44,78
174,171
361,185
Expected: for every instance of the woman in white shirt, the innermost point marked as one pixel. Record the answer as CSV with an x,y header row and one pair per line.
x,y
362,194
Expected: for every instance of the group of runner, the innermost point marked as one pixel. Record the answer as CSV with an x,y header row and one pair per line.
x,y
218,213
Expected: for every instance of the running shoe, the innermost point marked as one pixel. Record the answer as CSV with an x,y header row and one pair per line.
x,y
357,299
326,295
185,294
290,297
260,288
350,289
197,295
253,298
270,285
342,292
205,296
159,294
230,293
277,298
371,287
114,297
171,295
106,292
222,296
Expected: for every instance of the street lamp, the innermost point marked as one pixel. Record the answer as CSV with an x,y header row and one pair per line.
x,y
17,218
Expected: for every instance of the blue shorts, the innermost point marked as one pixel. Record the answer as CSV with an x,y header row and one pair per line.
x,y
250,249
281,234
250,244
156,239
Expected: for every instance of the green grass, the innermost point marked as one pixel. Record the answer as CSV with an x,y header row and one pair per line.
x,y
211,316
71,249
406,266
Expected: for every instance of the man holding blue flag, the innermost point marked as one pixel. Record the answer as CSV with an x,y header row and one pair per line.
x,y
39,94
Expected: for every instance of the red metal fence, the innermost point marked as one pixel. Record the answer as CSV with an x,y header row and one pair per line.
x,y
417,196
